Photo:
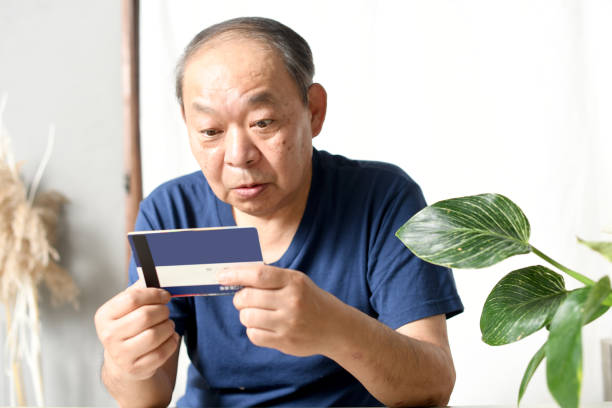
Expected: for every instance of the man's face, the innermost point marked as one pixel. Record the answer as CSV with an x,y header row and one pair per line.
x,y
249,129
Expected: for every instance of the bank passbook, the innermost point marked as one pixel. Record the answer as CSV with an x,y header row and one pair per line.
x,y
186,262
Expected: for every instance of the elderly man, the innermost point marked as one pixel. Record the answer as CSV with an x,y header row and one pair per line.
x,y
340,313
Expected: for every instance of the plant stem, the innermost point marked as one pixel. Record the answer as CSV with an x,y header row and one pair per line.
x,y
15,375
578,276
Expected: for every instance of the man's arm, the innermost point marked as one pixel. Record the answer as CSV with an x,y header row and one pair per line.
x,y
140,347
412,366
285,310
152,392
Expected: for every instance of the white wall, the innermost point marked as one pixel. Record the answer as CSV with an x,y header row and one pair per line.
x,y
468,97
60,63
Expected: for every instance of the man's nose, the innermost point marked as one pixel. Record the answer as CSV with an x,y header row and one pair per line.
x,y
240,151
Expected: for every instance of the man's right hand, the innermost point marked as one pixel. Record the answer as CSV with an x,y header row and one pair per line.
x,y
135,330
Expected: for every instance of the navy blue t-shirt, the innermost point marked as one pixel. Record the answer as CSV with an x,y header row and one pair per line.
x,y
345,243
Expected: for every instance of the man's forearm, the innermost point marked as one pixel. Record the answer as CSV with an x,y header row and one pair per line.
x,y
154,392
396,369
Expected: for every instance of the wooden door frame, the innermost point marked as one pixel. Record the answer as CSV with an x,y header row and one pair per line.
x,y
131,115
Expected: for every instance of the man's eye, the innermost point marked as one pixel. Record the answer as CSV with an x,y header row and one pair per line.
x,y
263,123
210,132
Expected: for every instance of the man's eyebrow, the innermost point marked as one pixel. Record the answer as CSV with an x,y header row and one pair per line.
x,y
203,108
262,98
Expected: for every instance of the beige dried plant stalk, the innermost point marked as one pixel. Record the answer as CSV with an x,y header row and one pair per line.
x,y
27,235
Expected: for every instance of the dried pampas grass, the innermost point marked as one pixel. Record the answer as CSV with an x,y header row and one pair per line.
x,y
28,233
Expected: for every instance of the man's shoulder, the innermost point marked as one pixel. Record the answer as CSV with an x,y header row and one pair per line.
x,y
365,172
181,195
179,186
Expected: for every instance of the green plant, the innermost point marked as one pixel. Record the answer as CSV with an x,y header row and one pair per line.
x,y
479,231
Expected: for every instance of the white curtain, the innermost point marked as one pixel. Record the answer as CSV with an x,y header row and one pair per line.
x,y
468,97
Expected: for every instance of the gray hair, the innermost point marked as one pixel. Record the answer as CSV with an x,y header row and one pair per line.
x,y
291,47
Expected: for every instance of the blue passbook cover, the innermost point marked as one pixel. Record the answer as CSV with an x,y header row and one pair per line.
x,y
186,262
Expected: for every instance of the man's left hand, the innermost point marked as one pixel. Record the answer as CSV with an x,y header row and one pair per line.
x,y
284,309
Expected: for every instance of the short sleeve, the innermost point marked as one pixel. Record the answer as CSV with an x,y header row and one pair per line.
x,y
180,308
403,287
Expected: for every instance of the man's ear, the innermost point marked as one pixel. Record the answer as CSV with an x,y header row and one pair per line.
x,y
183,111
317,104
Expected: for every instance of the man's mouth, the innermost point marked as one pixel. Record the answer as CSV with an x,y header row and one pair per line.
x,y
249,190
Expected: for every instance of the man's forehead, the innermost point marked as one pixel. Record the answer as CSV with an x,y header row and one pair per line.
x,y
237,70
240,36
236,60
230,41
258,98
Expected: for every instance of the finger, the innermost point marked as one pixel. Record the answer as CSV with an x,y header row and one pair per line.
x,y
133,298
141,319
148,340
262,337
150,362
256,298
261,319
257,276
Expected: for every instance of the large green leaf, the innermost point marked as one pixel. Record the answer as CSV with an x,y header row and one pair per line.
x,y
564,346
564,349
604,248
520,304
598,293
467,232
531,368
